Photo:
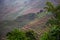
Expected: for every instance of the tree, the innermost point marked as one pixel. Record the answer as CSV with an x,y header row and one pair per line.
x,y
54,33
50,7
53,9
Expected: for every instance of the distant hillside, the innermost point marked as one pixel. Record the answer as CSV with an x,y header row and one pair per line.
x,y
18,23
7,25
22,20
30,16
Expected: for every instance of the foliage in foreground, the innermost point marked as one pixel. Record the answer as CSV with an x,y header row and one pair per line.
x,y
54,33
21,35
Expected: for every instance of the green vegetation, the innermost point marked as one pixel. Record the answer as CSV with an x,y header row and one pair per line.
x,y
40,15
16,35
21,35
54,33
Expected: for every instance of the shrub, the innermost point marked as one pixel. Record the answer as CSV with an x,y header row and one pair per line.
x,y
21,35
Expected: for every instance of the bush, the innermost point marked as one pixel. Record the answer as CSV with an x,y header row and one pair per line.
x,y
16,35
21,35
53,34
